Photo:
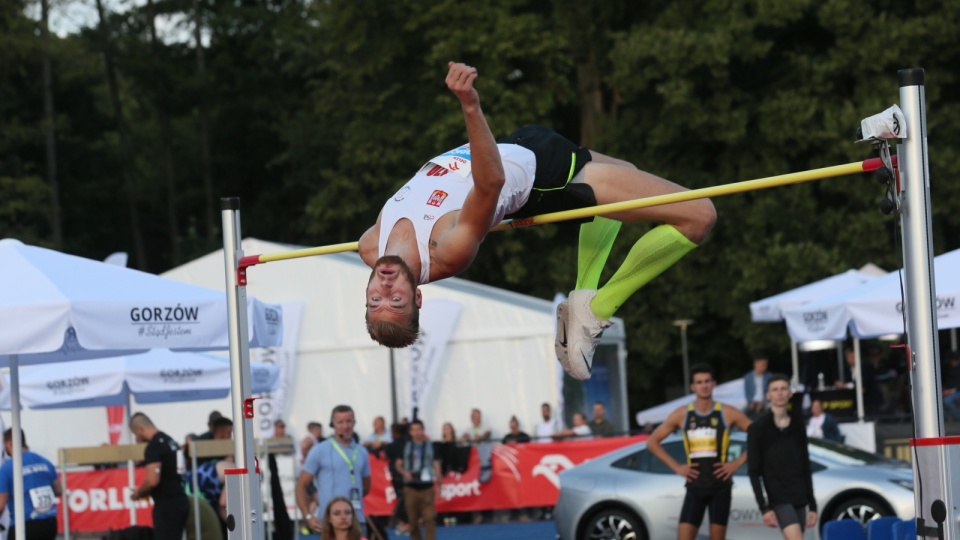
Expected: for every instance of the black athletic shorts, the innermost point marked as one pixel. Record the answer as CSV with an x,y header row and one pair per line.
x,y
558,161
698,501
36,529
787,515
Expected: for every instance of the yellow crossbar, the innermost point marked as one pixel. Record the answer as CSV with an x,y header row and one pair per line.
x,y
591,211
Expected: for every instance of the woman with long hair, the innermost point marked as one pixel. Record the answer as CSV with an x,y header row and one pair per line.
x,y
449,434
339,521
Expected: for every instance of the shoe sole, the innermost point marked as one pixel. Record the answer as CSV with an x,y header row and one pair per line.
x,y
561,345
560,341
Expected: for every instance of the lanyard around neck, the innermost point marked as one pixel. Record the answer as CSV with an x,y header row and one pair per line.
x,y
349,461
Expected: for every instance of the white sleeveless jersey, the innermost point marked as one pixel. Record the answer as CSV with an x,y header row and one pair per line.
x,y
441,186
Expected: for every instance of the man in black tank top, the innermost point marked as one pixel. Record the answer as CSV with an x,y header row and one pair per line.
x,y
705,425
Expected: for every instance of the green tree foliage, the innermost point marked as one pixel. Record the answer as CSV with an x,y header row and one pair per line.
x,y
320,110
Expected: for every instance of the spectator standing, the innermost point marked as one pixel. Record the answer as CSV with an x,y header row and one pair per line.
x,y
338,466
420,470
479,434
600,426
707,472
885,375
453,457
340,521
822,425
546,428
755,384
780,465
208,481
208,434
314,435
951,386
515,436
41,487
282,524
872,396
377,441
161,482
393,452
477,431
580,429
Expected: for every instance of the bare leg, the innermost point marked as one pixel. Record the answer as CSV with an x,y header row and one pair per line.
x,y
793,532
718,532
614,180
686,531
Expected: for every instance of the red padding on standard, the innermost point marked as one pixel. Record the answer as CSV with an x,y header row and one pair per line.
x,y
251,260
242,470
873,164
936,441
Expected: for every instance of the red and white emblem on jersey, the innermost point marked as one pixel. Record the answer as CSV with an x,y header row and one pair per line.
x,y
437,198
437,170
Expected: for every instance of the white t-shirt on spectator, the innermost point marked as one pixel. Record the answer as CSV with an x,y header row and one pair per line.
x,y
545,430
583,432
476,431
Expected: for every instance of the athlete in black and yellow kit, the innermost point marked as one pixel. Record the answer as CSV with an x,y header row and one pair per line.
x,y
705,425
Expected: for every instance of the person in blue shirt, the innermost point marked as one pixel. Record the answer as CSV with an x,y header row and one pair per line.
x,y
338,467
41,487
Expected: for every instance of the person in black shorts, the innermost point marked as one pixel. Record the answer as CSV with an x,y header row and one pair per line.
x,y
161,483
705,425
779,464
432,227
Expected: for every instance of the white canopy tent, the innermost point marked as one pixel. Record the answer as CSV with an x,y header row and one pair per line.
x,y
875,308
157,376
771,309
56,307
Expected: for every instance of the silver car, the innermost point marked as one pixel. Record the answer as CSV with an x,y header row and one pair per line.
x,y
629,494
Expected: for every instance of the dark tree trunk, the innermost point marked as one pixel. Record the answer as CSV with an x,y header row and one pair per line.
x,y
126,147
49,130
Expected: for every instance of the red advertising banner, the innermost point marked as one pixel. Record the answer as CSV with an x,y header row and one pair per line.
x,y
522,475
100,501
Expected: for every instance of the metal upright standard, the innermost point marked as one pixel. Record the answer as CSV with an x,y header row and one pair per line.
x,y
244,506
935,488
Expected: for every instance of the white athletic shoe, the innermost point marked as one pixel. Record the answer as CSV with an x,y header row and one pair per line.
x,y
583,331
560,342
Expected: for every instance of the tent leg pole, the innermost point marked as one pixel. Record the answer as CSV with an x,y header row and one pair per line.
x,y
794,364
65,499
19,515
196,489
131,484
840,361
858,379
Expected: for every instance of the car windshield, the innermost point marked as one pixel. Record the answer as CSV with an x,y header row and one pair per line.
x,y
842,454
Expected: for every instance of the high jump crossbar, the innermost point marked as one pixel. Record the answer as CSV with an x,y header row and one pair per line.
x,y
867,165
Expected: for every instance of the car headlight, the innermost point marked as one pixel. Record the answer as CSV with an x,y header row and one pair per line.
x,y
905,484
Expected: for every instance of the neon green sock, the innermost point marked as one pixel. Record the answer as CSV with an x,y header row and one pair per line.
x,y
596,241
653,253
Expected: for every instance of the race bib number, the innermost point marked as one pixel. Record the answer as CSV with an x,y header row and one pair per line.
x,y
43,499
702,442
